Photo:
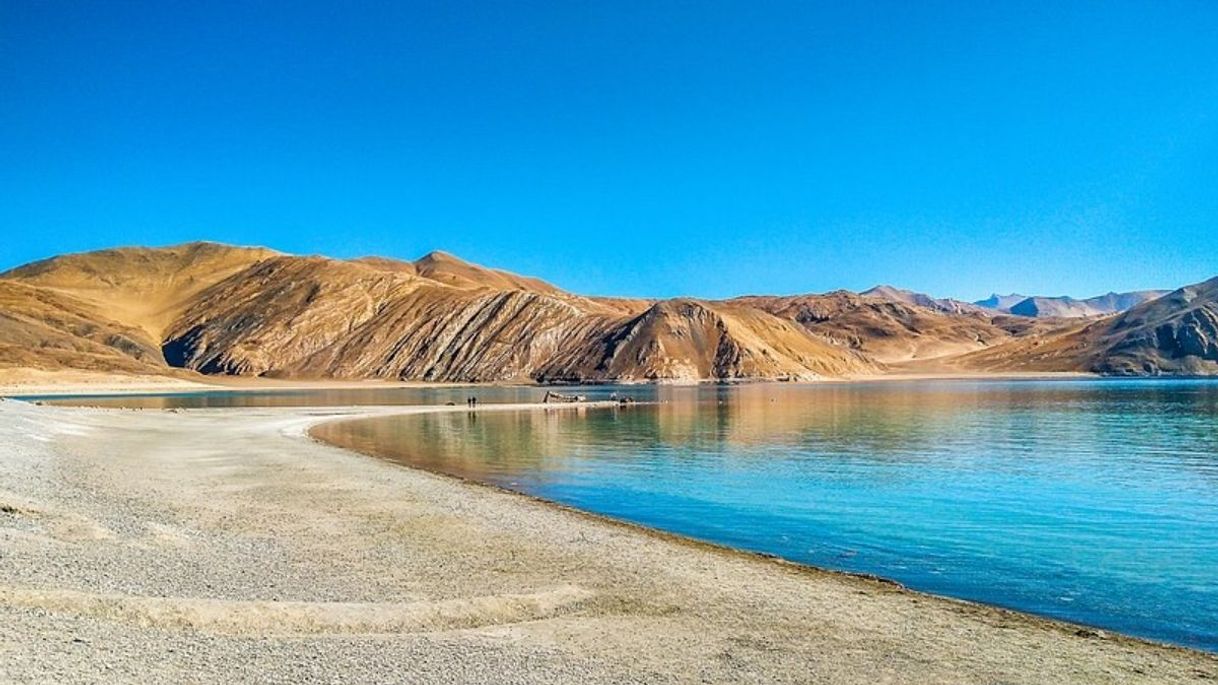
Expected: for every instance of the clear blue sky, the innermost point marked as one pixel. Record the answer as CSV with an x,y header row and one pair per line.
x,y
650,148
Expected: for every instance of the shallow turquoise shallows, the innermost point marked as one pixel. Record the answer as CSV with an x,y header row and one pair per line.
x,y
1094,501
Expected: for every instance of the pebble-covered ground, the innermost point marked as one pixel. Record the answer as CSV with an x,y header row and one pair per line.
x,y
224,546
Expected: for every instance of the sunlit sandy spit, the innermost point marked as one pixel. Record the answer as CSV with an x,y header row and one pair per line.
x,y
226,544
16,382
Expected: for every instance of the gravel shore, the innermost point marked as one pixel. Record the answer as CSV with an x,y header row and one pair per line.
x,y
226,546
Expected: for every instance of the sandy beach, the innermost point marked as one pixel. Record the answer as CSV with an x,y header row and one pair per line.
x,y
34,382
227,546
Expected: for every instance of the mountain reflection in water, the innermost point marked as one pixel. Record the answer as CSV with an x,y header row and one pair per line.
x,y
1092,500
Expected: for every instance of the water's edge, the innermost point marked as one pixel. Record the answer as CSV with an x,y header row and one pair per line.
x,y
873,581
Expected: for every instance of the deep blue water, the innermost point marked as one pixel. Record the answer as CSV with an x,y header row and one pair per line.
x,y
1094,501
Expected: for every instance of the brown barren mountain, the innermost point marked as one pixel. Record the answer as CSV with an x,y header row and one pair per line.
x,y
293,316
1174,334
48,330
107,310
883,329
143,287
217,309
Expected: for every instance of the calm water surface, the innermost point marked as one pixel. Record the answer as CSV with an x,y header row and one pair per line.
x,y
1092,501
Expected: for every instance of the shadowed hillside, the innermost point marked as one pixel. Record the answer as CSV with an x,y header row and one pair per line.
x,y
884,329
249,311
1176,333
1173,334
292,316
217,309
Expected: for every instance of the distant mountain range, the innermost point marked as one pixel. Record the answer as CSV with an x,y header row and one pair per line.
x,y
1068,307
217,309
1022,305
1002,303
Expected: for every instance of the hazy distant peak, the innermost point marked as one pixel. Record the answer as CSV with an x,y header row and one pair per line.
x,y
1064,306
1002,303
904,296
1118,302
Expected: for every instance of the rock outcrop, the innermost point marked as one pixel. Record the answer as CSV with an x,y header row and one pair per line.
x,y
1174,334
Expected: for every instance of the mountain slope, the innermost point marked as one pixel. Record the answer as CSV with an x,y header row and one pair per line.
x,y
1002,303
1173,334
44,329
1112,303
689,339
1176,333
250,311
144,287
293,316
1058,307
885,330
277,312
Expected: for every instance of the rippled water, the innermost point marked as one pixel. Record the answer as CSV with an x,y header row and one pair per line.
x,y
1092,501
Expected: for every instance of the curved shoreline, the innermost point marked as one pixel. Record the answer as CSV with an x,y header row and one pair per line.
x,y
1063,625
104,385
219,545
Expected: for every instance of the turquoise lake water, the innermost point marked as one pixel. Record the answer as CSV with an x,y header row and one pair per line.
x,y
1094,501
1091,501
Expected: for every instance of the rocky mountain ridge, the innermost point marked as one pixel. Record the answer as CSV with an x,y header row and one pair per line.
x,y
217,309
1068,307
